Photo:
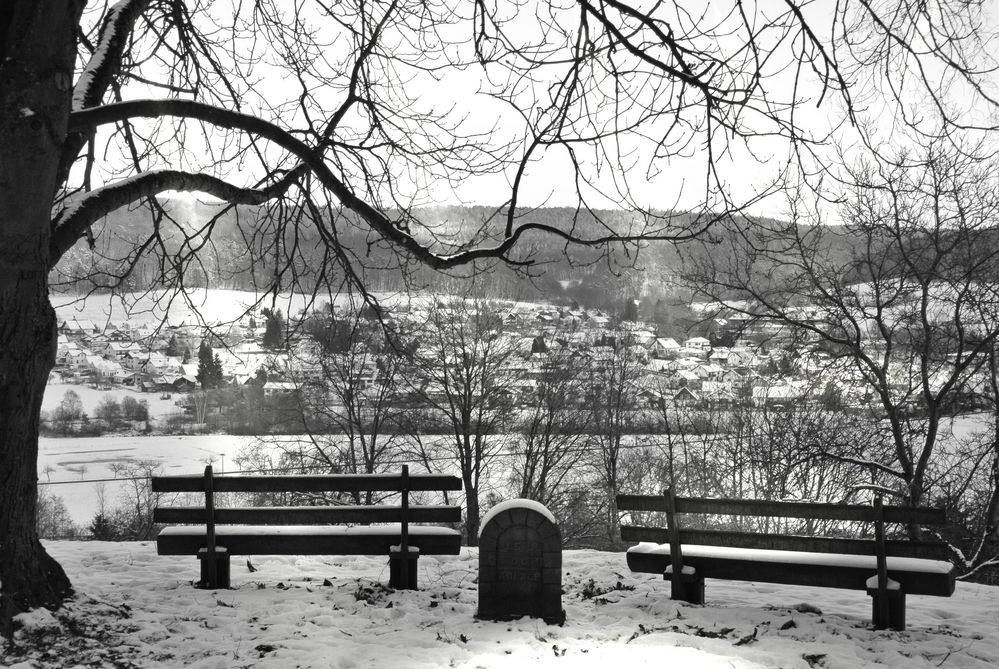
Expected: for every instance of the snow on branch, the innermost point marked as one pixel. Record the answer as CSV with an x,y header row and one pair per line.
x,y
106,59
100,70
85,208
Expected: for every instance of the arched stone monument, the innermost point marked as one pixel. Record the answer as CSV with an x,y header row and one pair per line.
x,y
520,563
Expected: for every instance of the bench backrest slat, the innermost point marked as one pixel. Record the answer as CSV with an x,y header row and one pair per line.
x,y
308,515
307,483
915,549
765,508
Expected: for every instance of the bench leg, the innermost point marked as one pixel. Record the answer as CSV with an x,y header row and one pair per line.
x,y
690,588
214,571
896,609
402,569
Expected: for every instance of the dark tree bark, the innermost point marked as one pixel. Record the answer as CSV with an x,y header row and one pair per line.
x,y
28,575
36,68
473,513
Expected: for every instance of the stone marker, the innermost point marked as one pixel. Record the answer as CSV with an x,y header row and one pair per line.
x,y
520,563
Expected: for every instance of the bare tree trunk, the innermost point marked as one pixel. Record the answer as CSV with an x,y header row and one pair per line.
x,y
29,577
37,51
471,512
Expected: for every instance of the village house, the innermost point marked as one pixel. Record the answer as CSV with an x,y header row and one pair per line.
x,y
685,396
708,372
686,378
660,366
644,338
120,350
781,393
719,355
739,356
77,358
716,392
735,378
697,343
280,389
666,347
79,327
601,356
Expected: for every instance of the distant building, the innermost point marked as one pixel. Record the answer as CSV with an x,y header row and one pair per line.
x,y
280,388
78,327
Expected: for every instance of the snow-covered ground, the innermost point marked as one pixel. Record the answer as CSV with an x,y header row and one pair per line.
x,y
137,609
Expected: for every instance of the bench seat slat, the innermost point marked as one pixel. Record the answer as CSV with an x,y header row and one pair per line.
x,y
783,542
306,483
766,508
917,576
308,515
308,540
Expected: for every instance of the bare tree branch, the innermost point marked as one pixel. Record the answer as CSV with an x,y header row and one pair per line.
x,y
83,210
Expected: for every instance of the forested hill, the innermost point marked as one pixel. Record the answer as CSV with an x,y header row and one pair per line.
x,y
222,238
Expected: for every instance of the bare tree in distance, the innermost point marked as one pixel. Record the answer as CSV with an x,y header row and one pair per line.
x,y
902,299
111,106
551,435
552,425
348,395
463,380
612,396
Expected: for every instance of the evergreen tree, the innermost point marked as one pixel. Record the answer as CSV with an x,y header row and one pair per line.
x,y
217,369
102,529
209,367
173,347
274,329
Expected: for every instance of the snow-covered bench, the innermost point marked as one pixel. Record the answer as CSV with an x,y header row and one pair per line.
x,y
375,529
886,569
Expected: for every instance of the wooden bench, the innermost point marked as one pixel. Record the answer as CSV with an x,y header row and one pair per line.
x,y
886,569
307,530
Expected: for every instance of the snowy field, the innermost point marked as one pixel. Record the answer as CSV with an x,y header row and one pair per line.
x,y
136,609
69,467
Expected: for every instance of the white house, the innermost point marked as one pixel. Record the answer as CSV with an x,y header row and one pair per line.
x,y
666,347
699,343
720,355
275,388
